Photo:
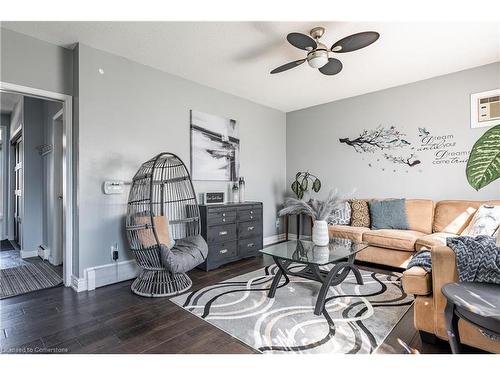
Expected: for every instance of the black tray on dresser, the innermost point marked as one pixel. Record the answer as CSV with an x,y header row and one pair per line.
x,y
233,231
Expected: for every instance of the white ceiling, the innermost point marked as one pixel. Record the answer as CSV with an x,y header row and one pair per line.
x,y
236,57
8,102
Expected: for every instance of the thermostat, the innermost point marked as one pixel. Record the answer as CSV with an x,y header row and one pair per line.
x,y
113,187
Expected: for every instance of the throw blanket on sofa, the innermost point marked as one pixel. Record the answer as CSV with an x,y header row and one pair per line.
x,y
421,259
478,258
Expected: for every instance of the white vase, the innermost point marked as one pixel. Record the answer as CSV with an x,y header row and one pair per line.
x,y
320,233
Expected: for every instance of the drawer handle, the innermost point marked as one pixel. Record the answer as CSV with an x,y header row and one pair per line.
x,y
223,214
251,217
251,228
223,233
251,212
251,244
224,220
223,251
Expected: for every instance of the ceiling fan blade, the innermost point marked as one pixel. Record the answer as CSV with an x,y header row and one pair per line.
x,y
287,66
301,41
332,67
355,41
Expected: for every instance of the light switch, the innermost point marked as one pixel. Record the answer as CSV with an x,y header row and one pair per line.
x,y
113,187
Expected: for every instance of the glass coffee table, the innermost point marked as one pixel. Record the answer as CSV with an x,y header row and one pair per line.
x,y
339,253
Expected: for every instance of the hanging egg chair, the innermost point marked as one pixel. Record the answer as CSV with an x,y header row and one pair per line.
x,y
163,227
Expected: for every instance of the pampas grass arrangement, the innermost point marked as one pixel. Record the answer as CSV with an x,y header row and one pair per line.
x,y
319,210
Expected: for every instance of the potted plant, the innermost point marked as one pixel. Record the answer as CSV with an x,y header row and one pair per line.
x,y
302,182
318,210
483,166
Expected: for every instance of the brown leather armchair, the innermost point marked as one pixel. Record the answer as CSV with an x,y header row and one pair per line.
x,y
430,302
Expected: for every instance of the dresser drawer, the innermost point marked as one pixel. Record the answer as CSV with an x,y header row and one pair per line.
x,y
217,253
249,246
221,217
249,229
221,233
250,214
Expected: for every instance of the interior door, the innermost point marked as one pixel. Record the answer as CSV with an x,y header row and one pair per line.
x,y
18,191
56,224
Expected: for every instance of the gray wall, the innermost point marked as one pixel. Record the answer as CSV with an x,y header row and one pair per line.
x,y
30,62
132,112
441,105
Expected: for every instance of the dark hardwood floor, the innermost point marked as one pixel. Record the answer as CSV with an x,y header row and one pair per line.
x,y
112,319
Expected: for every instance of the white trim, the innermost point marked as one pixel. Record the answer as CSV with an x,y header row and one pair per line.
x,y
28,254
68,216
78,285
274,239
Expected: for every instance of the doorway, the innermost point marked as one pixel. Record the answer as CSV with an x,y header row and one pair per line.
x,y
52,241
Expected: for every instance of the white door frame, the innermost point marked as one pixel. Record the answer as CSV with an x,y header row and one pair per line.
x,y
67,173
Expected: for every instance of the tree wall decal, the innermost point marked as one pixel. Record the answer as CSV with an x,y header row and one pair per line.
x,y
410,161
381,138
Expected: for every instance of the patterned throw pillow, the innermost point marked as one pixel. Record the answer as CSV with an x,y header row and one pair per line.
x,y
484,222
341,216
360,214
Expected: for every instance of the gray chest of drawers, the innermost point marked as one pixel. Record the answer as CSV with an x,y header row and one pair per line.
x,y
233,231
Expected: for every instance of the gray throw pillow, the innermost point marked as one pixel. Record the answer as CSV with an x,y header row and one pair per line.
x,y
388,214
341,215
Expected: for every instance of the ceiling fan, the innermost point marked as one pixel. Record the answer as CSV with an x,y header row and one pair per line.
x,y
318,54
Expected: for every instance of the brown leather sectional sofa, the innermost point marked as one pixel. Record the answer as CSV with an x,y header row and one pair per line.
x,y
430,224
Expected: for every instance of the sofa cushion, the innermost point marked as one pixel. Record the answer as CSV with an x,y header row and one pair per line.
x,y
388,214
417,281
431,240
420,214
393,238
386,257
346,231
454,216
360,214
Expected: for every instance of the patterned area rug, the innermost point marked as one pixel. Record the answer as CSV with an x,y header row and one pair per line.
x,y
357,318
27,278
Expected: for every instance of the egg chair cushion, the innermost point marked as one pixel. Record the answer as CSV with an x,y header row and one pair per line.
x,y
186,254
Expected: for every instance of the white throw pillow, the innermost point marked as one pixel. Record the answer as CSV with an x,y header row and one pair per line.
x,y
485,221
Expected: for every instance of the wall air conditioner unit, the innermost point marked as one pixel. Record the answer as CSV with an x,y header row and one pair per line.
x,y
485,109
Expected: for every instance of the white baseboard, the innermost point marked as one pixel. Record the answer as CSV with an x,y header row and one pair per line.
x,y
29,254
274,239
95,277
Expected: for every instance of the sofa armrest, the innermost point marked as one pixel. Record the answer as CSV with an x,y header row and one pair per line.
x,y
417,281
444,271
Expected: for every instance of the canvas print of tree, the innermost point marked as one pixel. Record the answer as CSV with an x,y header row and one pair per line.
x,y
215,148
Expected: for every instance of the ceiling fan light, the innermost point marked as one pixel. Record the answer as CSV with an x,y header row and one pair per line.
x,y
317,59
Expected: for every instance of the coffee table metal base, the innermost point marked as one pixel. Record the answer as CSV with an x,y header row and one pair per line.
x,y
335,276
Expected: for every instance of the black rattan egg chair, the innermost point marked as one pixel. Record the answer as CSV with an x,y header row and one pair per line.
x,y
163,227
